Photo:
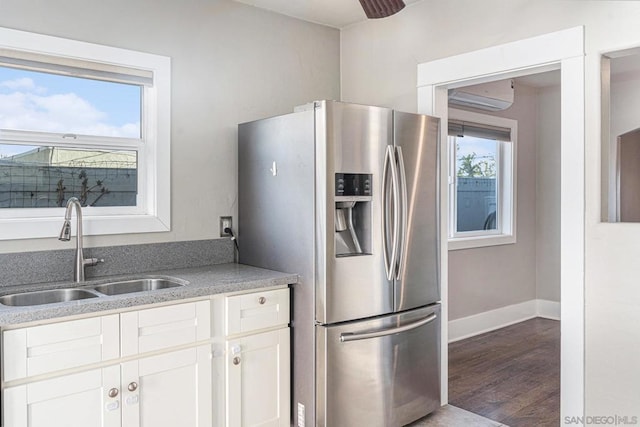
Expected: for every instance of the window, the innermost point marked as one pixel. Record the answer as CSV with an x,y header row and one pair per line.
x,y
481,180
83,120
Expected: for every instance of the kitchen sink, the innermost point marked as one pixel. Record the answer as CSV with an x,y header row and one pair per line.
x,y
23,299
137,285
46,297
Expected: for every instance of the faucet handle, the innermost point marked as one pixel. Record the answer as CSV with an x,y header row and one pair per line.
x,y
90,262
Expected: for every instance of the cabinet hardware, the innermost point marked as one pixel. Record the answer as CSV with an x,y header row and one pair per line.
x,y
236,360
113,392
133,386
262,300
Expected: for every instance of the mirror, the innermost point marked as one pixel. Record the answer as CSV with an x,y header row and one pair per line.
x,y
621,136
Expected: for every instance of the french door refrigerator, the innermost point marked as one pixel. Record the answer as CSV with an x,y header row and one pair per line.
x,y
347,196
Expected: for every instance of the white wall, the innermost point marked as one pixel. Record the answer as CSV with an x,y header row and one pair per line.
x,y
230,63
483,279
379,61
487,278
548,194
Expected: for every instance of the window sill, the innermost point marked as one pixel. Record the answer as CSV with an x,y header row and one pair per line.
x,y
480,241
30,228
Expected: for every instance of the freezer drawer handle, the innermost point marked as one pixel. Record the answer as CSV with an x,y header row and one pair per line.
x,y
350,336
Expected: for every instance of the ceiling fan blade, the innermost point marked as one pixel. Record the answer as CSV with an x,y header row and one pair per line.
x,y
381,8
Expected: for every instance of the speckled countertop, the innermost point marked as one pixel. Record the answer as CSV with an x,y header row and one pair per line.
x,y
202,281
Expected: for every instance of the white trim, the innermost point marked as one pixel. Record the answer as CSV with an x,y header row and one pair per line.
x,y
572,230
519,55
154,159
488,321
548,309
564,50
459,243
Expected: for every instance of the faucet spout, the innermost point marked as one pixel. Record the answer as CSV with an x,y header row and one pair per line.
x,y
65,235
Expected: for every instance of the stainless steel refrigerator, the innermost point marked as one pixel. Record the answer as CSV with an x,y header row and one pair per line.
x,y
346,196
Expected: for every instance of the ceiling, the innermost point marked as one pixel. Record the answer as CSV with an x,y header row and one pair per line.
x,y
334,13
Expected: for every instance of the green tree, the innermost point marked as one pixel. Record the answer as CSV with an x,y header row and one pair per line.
x,y
471,166
468,167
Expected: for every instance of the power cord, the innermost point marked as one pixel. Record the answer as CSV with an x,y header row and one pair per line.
x,y
233,238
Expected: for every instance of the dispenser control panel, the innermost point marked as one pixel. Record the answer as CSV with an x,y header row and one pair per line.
x,y
353,184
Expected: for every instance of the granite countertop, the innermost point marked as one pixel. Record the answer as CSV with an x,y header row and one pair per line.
x,y
203,281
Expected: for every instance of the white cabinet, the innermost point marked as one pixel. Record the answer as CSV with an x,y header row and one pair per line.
x,y
256,311
258,379
75,400
171,389
173,365
44,349
257,360
166,327
159,375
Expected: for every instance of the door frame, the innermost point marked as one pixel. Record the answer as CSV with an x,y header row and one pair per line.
x,y
564,51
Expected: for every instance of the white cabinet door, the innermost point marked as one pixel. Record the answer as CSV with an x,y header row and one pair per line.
x,y
168,390
258,380
161,328
257,310
38,350
77,400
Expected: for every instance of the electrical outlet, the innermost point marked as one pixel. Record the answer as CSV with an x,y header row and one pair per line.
x,y
225,222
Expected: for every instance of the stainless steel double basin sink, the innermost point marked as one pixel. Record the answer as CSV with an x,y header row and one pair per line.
x,y
96,291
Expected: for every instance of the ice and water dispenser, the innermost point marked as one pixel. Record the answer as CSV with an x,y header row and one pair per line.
x,y
352,214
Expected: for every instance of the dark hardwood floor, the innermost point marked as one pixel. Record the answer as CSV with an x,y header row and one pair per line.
x,y
511,375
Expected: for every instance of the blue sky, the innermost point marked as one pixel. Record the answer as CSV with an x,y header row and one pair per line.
x,y
485,149
37,101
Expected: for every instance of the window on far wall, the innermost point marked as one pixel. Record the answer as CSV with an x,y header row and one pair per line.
x,y
481,180
87,121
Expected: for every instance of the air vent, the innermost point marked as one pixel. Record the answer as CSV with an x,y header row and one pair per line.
x,y
493,96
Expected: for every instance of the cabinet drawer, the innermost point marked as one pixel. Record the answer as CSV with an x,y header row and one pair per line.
x,y
43,349
165,327
258,310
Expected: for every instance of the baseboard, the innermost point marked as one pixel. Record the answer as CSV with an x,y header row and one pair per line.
x,y
548,309
499,318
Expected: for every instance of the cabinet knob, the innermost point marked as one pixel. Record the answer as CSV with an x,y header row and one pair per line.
x,y
262,300
236,360
133,386
113,392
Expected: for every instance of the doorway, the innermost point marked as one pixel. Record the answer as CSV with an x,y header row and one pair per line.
x,y
562,51
503,274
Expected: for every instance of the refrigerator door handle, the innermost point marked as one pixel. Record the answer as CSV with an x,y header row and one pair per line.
x,y
403,208
389,163
355,336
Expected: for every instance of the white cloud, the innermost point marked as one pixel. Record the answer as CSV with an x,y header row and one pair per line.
x,y
24,83
27,107
483,148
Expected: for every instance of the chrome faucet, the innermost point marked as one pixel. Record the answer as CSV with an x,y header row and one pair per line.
x,y
65,236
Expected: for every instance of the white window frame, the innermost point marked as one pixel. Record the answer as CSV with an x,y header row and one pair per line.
x,y
152,212
506,188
